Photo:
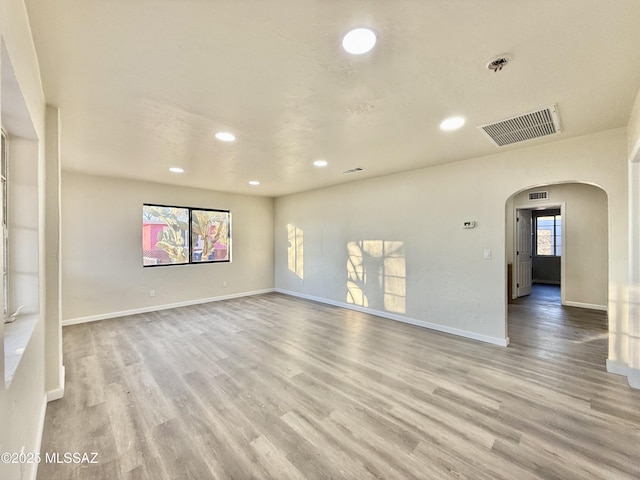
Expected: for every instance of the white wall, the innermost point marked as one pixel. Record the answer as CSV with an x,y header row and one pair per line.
x,y
634,244
448,283
585,242
54,376
102,273
22,403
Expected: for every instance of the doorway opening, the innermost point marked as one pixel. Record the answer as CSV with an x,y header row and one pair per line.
x,y
539,251
557,253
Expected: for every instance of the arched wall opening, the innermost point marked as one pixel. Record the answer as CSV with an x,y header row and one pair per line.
x,y
584,239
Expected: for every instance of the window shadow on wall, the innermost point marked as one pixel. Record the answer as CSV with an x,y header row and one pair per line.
x,y
376,275
295,251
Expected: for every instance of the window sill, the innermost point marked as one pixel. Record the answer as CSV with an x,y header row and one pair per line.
x,y
16,338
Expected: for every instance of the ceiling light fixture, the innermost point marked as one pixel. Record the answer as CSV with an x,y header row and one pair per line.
x,y
176,170
225,136
254,183
359,41
321,163
452,123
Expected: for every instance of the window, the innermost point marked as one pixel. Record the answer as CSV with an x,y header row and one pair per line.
x,y
210,235
165,237
548,233
181,235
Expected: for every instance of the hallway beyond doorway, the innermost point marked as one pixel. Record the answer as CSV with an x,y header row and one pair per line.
x,y
539,321
542,293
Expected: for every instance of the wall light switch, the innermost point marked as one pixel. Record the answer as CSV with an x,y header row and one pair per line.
x,y
487,253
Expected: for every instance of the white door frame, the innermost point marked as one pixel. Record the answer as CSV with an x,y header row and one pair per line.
x,y
540,206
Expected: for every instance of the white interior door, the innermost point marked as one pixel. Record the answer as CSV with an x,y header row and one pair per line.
x,y
523,252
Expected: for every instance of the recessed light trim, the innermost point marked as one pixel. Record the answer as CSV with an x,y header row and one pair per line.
x,y
452,123
321,163
176,170
359,41
225,136
254,183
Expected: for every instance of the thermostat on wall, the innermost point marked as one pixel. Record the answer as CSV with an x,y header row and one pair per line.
x,y
469,224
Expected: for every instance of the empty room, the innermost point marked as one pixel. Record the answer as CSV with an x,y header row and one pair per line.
x,y
302,239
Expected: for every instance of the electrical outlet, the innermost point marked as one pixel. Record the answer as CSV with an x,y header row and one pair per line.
x,y
152,293
224,283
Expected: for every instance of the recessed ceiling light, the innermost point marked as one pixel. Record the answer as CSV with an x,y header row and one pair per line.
x,y
254,183
225,136
359,41
321,163
176,170
452,123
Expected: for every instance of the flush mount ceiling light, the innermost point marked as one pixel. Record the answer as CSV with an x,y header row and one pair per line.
x,y
176,170
225,136
359,41
321,163
451,123
254,183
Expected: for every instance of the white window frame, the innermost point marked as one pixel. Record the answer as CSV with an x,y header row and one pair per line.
x,y
4,160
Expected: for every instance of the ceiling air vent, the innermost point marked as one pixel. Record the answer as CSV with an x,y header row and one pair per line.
x,y
524,127
538,195
353,170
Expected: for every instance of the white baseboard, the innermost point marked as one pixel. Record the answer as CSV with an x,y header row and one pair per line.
x,y
57,393
619,368
33,472
503,342
590,306
634,377
155,308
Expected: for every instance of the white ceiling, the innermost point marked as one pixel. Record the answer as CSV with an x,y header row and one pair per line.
x,y
143,85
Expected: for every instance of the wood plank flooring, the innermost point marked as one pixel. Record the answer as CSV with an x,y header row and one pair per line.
x,y
274,387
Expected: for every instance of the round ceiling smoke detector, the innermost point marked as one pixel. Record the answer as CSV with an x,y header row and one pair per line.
x,y
496,64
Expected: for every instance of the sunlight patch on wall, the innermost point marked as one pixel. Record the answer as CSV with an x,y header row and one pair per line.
x,y
376,275
296,250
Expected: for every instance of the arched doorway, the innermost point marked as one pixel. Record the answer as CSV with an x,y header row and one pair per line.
x,y
567,228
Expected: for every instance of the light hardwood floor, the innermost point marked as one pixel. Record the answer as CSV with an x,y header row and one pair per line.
x,y
274,387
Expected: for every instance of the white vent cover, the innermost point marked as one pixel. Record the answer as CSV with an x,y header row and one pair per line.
x,y
524,127
538,195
